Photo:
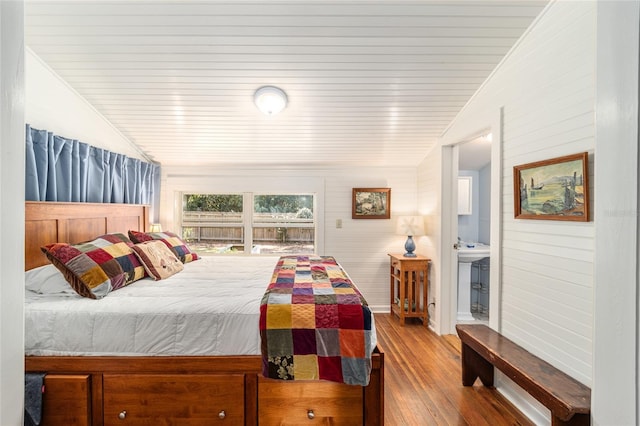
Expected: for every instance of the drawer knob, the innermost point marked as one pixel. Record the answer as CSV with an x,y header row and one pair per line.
x,y
222,414
311,415
122,415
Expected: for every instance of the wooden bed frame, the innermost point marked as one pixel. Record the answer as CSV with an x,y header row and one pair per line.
x,y
185,390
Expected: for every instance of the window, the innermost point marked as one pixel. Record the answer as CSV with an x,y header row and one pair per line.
x,y
249,222
283,223
213,222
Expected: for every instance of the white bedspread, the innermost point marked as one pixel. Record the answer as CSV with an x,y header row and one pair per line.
x,y
212,307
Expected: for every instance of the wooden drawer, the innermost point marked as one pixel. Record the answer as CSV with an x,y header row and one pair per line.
x,y
67,400
415,265
168,399
291,403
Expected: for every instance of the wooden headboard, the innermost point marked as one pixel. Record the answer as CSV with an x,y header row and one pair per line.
x,y
52,222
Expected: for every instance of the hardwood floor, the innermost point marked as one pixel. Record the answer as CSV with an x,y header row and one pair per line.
x,y
423,381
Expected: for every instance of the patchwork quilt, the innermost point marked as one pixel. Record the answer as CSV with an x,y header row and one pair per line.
x,y
315,324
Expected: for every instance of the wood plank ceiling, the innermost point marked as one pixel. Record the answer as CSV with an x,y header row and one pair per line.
x,y
369,82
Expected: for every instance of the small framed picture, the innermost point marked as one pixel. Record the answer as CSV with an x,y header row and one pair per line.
x,y
371,203
554,189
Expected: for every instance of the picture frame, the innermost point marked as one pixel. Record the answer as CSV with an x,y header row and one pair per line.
x,y
554,189
371,203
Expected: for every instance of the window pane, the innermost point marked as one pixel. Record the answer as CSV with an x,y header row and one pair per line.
x,y
221,203
270,208
283,223
283,240
212,223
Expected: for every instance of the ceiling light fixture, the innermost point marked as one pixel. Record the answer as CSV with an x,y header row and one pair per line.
x,y
270,99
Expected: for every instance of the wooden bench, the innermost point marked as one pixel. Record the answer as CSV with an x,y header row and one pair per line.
x,y
483,349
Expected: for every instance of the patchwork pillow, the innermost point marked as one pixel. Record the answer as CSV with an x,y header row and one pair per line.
x,y
97,267
173,241
158,260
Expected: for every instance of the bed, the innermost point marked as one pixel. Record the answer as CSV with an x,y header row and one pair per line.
x,y
185,384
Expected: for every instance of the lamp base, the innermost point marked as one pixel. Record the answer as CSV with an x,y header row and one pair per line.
x,y
409,246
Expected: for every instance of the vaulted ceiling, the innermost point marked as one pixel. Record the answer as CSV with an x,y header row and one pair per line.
x,y
369,82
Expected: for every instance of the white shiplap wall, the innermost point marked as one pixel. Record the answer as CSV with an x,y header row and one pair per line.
x,y
546,88
361,246
51,104
547,277
429,206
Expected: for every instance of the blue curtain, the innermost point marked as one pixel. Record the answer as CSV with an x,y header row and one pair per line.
x,y
60,169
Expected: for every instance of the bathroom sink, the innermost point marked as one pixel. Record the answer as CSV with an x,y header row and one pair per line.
x,y
468,253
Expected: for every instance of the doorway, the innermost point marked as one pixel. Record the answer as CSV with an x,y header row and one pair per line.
x,y
474,230
482,163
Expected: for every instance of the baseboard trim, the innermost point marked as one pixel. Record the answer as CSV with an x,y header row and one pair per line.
x,y
529,406
380,309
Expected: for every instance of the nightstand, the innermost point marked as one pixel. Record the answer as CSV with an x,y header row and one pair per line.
x,y
409,279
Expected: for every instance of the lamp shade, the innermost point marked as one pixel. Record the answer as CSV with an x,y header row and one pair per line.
x,y
270,99
410,225
155,227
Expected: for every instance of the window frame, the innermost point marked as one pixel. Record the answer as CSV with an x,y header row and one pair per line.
x,y
248,224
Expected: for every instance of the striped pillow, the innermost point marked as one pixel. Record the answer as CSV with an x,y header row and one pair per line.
x,y
97,267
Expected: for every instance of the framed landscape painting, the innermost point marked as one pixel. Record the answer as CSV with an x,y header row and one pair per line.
x,y
555,189
371,203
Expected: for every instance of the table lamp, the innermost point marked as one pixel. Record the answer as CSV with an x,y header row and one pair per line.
x,y
155,227
410,226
